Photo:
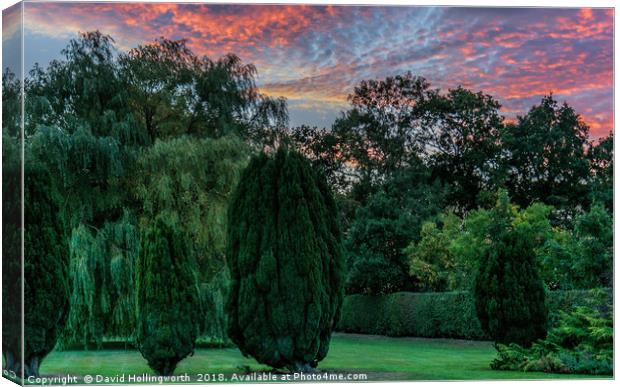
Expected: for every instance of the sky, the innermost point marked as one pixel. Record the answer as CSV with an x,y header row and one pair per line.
x,y
315,55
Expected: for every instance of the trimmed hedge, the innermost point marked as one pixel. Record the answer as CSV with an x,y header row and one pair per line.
x,y
446,315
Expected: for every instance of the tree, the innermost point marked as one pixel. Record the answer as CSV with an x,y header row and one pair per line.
x,y
83,92
509,293
286,263
594,232
448,254
379,135
601,156
432,263
384,227
86,123
547,159
11,104
12,328
189,182
168,307
45,268
102,269
229,102
159,76
462,141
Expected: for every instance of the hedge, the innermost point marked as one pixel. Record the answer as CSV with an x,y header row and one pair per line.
x,y
445,315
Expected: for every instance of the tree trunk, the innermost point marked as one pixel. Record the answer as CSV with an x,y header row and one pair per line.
x,y
299,366
167,369
11,365
31,367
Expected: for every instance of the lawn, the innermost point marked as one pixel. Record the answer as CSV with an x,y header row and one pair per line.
x,y
380,358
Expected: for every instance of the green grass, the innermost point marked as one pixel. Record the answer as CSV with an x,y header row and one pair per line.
x,y
380,358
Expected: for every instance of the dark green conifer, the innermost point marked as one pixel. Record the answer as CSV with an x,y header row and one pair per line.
x,y
168,307
286,263
509,293
45,265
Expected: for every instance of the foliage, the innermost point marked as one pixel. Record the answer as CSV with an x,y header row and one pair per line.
x,y
394,123
174,92
378,135
159,77
285,259
12,295
11,104
86,124
582,342
441,315
82,91
462,140
232,104
429,314
102,267
168,307
431,261
85,168
601,158
509,293
46,279
580,258
594,232
449,251
384,227
547,159
189,182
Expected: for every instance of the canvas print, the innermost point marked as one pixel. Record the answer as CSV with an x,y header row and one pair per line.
x,y
219,193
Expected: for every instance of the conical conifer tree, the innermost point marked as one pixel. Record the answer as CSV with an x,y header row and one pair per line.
x,y
286,263
168,307
45,265
509,293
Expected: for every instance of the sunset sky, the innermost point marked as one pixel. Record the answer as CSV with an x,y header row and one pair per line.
x,y
314,55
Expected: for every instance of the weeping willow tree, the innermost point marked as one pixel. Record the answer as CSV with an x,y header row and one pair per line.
x,y
123,147
102,268
88,171
188,182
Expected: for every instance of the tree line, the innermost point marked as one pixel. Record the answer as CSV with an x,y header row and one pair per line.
x,y
143,150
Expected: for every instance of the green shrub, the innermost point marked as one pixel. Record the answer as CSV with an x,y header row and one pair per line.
x,y
286,263
449,315
168,307
509,293
46,278
582,342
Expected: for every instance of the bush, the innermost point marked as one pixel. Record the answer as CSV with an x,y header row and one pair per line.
x,y
447,315
582,342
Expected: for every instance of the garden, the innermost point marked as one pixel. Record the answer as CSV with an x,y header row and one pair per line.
x,y
175,223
